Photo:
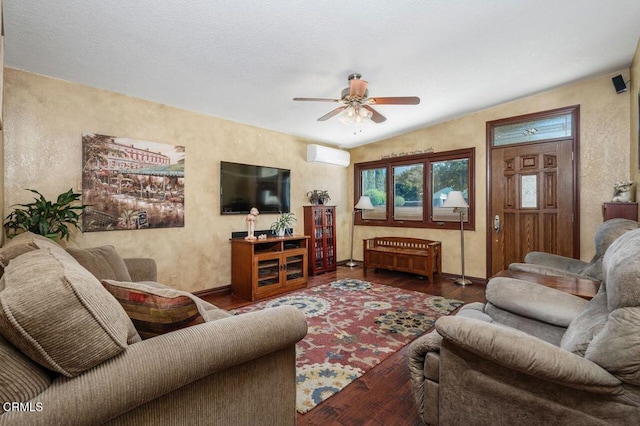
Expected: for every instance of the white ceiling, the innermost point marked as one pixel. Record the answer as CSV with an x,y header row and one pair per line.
x,y
245,60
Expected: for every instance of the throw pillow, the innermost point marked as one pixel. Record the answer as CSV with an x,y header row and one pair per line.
x,y
58,314
155,310
20,378
103,262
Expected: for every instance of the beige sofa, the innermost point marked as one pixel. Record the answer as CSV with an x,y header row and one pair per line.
x,y
71,355
533,355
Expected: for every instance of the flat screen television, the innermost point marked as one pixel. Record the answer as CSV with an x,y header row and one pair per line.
x,y
243,186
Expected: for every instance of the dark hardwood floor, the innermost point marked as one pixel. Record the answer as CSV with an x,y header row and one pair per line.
x,y
382,396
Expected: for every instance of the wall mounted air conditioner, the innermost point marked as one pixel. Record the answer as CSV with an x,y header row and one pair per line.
x,y
323,154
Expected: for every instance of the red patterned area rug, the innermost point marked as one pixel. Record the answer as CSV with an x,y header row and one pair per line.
x,y
353,326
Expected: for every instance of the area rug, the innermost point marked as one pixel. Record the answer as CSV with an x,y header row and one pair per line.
x,y
353,325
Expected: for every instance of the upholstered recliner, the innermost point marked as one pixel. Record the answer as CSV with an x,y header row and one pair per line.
x,y
535,355
551,264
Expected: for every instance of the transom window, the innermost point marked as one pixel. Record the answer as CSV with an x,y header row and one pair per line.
x,y
410,191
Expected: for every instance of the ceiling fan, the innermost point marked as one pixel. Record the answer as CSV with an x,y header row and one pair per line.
x,y
357,103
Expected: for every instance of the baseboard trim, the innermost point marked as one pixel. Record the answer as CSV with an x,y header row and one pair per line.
x,y
474,280
344,262
226,289
218,291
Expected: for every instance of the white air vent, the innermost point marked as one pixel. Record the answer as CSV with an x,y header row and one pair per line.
x,y
323,154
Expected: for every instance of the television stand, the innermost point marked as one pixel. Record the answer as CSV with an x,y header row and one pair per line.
x,y
268,267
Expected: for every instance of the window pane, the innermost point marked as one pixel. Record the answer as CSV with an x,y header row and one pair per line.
x,y
559,126
374,184
528,192
447,176
408,192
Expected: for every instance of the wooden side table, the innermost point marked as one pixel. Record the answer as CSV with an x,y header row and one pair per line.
x,y
577,286
620,210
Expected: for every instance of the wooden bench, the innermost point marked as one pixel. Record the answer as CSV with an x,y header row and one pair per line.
x,y
413,255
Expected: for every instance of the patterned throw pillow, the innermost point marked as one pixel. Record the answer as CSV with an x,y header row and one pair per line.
x,y
155,311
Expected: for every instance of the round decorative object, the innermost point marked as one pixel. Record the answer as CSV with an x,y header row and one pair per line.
x,y
317,382
441,304
405,323
377,305
351,284
311,306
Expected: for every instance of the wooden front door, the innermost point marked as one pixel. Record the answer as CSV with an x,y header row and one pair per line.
x,y
532,201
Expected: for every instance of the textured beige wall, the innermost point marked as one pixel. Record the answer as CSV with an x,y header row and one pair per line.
x,y
604,158
634,99
45,119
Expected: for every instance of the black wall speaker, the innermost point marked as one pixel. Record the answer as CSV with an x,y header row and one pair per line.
x,y
618,83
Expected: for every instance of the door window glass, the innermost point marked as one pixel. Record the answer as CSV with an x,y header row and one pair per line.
x,y
545,128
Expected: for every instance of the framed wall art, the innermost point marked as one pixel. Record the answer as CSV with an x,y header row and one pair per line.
x,y
131,184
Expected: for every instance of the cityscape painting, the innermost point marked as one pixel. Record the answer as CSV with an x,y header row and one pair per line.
x,y
131,184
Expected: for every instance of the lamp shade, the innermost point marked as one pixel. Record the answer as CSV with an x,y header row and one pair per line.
x,y
455,200
364,203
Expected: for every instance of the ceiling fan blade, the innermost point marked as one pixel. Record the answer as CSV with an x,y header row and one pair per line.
x,y
400,100
333,112
317,99
357,87
376,117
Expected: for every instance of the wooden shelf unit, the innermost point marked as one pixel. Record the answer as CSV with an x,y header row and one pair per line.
x,y
264,268
320,225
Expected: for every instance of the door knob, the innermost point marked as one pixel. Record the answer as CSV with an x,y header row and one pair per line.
x,y
496,223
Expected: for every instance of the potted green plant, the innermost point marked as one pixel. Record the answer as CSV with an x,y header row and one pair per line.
x,y
318,196
44,217
283,223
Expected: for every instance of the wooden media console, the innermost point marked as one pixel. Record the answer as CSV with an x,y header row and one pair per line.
x,y
413,255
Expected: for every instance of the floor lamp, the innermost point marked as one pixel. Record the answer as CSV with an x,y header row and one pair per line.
x,y
364,203
456,201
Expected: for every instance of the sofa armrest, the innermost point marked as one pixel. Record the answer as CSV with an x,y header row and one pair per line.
x,y
533,268
154,367
142,269
555,261
521,352
534,301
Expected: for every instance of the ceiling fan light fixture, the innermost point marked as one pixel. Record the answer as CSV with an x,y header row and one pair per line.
x,y
355,116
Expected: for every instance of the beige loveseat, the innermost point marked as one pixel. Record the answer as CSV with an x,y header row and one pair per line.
x,y
69,353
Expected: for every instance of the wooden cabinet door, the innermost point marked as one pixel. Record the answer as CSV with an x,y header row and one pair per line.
x,y
320,225
328,237
295,269
268,272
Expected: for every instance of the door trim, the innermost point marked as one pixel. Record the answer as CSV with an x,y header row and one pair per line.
x,y
575,111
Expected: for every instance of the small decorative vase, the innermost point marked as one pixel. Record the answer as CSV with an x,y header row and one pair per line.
x,y
280,232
